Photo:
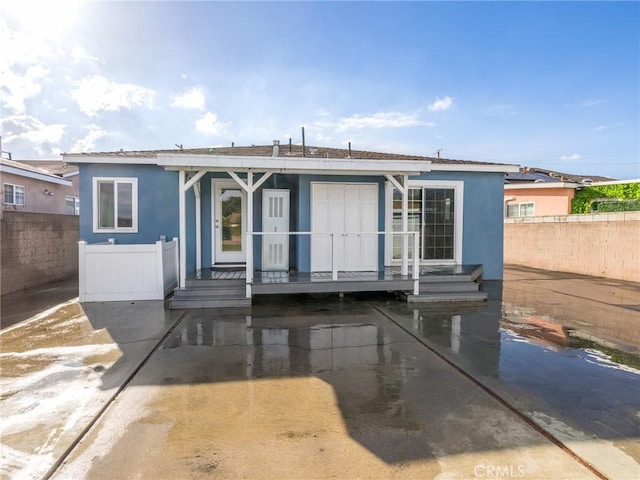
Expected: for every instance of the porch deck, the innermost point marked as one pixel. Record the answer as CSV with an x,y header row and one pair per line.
x,y
225,287
389,273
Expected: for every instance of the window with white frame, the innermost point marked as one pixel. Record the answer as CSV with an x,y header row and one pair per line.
x,y
13,194
524,209
115,205
72,205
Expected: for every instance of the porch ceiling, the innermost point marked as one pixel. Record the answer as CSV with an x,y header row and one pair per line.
x,y
298,165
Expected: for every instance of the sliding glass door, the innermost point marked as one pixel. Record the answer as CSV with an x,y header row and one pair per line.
x,y
432,212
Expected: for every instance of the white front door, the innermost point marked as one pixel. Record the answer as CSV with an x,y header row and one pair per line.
x,y
229,222
275,218
344,208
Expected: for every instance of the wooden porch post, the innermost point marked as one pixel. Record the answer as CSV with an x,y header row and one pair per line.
x,y
183,230
250,188
405,225
249,246
196,191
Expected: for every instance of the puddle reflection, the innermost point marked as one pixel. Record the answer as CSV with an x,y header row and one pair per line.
x,y
279,350
538,364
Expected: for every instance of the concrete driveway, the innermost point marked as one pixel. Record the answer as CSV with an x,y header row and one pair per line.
x,y
310,388
297,387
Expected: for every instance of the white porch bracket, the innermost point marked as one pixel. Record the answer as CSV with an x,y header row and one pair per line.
x,y
193,180
395,183
245,186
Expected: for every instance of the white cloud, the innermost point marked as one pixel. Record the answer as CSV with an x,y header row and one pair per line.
x,y
16,88
504,110
572,157
441,104
88,143
191,99
79,55
210,125
29,128
95,94
590,102
22,68
601,128
377,120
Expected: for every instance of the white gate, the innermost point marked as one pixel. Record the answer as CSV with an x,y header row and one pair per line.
x,y
275,218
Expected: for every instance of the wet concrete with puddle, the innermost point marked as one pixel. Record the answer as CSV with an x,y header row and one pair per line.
x,y
307,387
562,349
321,387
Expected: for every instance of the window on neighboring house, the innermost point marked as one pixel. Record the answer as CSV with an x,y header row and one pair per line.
x,y
72,205
520,209
13,194
115,205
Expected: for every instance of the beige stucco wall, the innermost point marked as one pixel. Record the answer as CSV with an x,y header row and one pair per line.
x,y
547,201
35,198
37,248
603,245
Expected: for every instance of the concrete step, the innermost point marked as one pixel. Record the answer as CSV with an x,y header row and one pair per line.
x,y
449,287
447,297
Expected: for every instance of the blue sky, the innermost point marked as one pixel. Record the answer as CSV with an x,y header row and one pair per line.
x,y
546,84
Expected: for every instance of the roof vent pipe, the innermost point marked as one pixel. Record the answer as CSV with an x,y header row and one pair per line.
x,y
276,148
290,150
349,156
303,147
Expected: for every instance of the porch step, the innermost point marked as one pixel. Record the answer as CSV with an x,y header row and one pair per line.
x,y
215,291
211,294
211,283
436,297
471,273
449,287
184,303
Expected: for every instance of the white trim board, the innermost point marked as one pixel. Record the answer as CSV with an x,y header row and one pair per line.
x,y
309,165
44,177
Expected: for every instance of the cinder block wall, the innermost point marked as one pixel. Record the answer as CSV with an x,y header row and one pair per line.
x,y
602,245
37,248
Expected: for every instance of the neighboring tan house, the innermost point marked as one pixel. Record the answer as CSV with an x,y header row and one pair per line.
x,y
537,192
305,211
39,187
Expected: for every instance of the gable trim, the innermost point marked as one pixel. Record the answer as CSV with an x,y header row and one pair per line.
x,y
44,177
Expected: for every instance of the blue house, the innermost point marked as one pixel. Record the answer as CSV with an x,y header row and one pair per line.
x,y
290,219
